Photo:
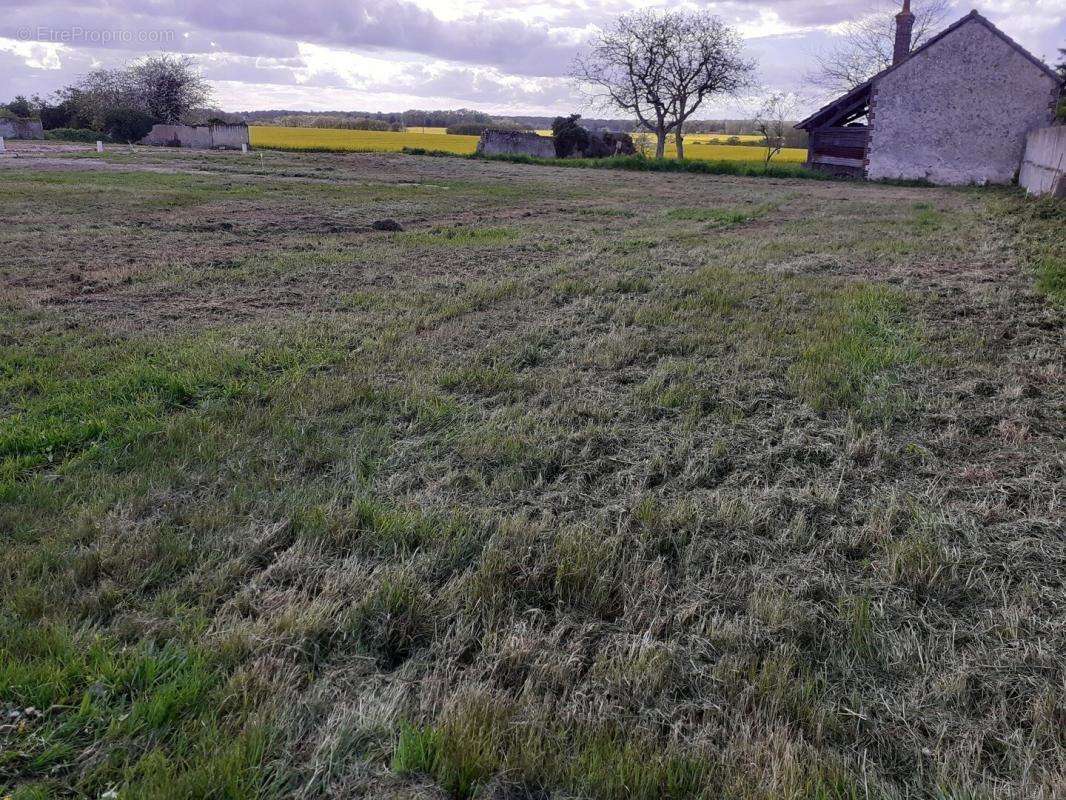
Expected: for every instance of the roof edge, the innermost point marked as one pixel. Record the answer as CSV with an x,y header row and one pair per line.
x,y
975,16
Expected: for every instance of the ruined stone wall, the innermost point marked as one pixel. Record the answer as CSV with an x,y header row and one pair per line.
x,y
21,129
958,112
515,143
204,137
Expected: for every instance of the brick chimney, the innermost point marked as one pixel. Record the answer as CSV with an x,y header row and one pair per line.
x,y
904,27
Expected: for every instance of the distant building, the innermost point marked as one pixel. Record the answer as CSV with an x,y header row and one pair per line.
x,y
954,111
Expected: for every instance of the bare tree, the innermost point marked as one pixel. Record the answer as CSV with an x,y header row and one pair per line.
x,y
626,68
661,67
865,46
773,122
705,61
168,86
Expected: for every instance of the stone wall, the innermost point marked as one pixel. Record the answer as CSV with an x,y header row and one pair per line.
x,y
21,129
515,143
1044,166
204,137
959,111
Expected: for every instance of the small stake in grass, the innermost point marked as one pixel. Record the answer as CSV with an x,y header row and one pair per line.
x,y
99,146
244,148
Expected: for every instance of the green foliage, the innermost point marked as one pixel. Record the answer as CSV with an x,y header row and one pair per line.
x,y
583,488
78,403
570,137
642,164
459,236
128,124
20,107
721,216
416,751
76,135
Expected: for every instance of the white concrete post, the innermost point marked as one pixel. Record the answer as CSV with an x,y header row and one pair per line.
x,y
1,144
99,146
244,148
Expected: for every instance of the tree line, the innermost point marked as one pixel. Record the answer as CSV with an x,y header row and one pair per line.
x,y
123,103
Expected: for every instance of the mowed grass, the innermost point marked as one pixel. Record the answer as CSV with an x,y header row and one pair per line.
x,y
587,484
336,139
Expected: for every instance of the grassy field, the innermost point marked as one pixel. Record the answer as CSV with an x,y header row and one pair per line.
x,y
698,146
587,484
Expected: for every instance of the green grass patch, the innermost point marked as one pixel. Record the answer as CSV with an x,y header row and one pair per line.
x,y
860,340
719,216
74,396
150,720
1037,225
642,164
459,236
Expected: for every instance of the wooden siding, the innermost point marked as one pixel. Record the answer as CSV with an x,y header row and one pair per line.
x,y
845,147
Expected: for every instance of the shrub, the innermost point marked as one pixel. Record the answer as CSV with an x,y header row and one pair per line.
x,y
569,136
20,107
61,115
76,135
128,124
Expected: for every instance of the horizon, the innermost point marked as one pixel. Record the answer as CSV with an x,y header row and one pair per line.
x,y
398,55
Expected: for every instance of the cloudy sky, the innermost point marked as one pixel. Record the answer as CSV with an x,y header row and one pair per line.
x,y
501,56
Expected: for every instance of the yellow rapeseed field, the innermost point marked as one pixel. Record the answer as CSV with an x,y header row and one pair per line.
x,y
269,136
710,147
697,146
738,152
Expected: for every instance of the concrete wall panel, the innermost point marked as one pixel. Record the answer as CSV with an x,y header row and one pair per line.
x,y
1044,165
204,137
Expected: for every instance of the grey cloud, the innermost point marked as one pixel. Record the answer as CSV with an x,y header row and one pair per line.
x,y
272,27
248,45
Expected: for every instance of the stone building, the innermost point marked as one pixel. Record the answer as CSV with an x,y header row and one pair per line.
x,y
954,111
